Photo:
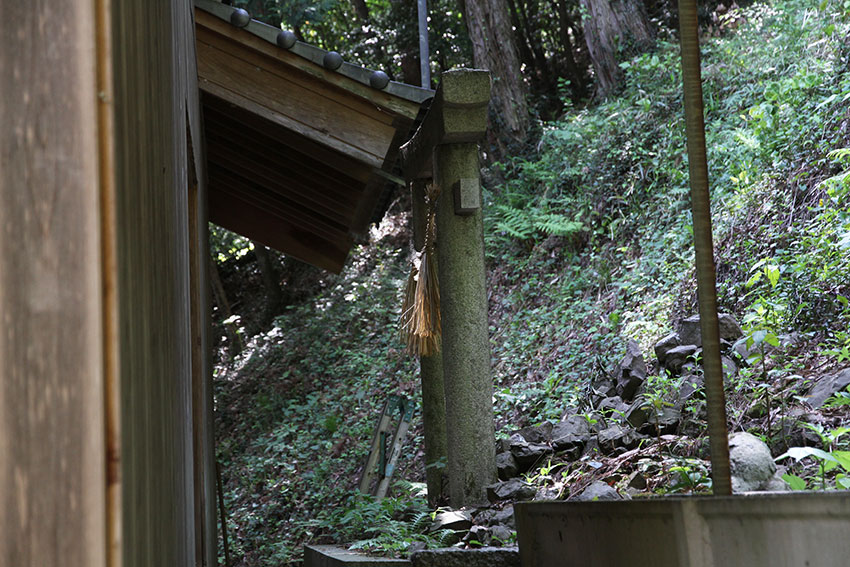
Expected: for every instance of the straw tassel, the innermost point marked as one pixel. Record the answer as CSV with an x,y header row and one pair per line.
x,y
420,313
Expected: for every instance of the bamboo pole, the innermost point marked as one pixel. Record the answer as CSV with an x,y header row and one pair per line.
x,y
706,278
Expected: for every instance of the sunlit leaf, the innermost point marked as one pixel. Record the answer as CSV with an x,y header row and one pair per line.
x,y
794,481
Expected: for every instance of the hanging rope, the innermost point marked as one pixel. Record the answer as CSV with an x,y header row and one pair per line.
x,y
420,313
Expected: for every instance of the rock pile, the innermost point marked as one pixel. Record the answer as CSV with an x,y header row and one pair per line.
x,y
623,416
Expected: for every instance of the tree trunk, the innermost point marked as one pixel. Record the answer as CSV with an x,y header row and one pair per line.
x,y
613,28
233,336
576,74
362,11
494,49
271,282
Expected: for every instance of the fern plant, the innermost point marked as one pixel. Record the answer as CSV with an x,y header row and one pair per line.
x,y
531,223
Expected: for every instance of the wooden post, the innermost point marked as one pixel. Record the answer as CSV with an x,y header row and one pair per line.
x,y
448,139
53,462
431,375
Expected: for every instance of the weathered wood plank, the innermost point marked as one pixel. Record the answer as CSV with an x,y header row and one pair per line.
x,y
332,160
324,185
284,177
246,217
52,467
304,111
267,60
379,99
310,133
151,55
230,183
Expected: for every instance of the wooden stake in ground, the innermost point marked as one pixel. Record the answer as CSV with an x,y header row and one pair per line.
x,y
706,283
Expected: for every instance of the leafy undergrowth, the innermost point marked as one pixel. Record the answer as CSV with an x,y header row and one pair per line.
x,y
589,243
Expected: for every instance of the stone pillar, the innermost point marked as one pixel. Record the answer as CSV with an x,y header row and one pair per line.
x,y
448,139
466,345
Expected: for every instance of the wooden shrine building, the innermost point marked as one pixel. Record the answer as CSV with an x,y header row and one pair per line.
x,y
124,127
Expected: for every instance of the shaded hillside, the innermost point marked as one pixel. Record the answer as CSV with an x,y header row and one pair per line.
x,y
589,245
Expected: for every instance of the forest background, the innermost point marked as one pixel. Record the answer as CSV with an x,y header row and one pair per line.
x,y
589,244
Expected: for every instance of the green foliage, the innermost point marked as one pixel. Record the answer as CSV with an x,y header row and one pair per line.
x,y
589,241
840,399
691,475
310,388
226,245
384,41
389,525
612,179
833,464
528,224
826,460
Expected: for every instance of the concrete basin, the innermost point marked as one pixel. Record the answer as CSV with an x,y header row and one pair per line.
x,y
754,530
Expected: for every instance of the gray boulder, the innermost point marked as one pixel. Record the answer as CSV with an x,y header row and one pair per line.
x,y
751,462
570,433
504,517
452,520
604,388
597,491
828,386
546,493
730,330
663,346
527,454
632,372
615,404
478,535
776,484
638,413
730,369
662,421
653,421
513,489
678,356
690,333
689,385
500,534
618,436
540,434
506,465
